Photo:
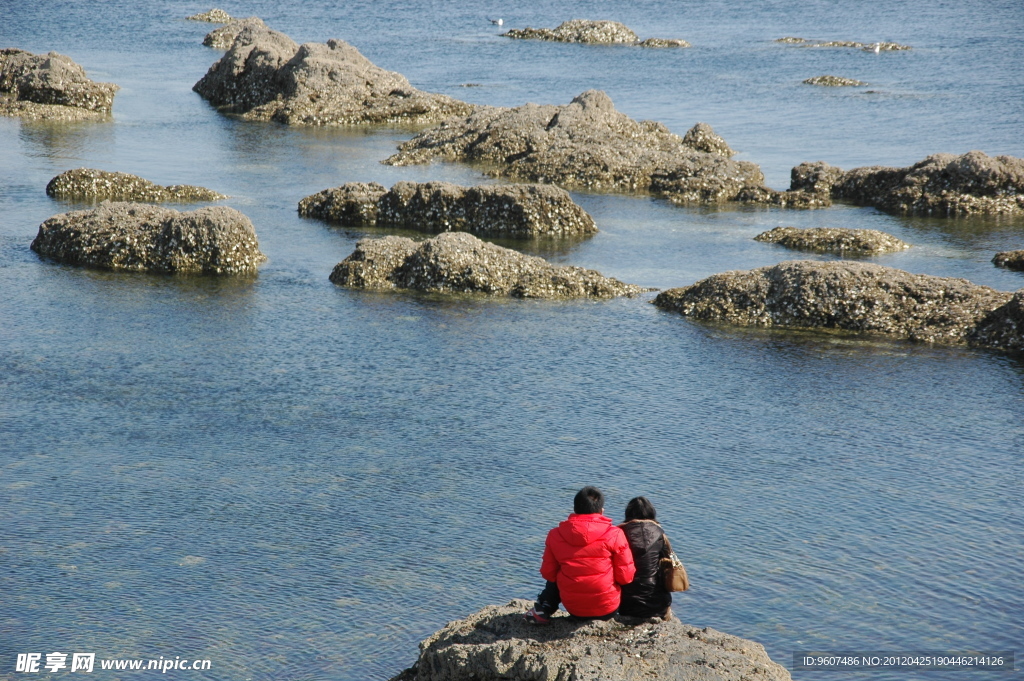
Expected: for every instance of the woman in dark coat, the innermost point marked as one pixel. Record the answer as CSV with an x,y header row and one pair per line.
x,y
645,596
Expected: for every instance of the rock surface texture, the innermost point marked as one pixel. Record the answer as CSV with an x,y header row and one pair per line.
x,y
214,16
222,38
940,185
456,262
266,76
867,47
142,238
592,33
1011,260
857,297
50,87
496,644
89,184
497,210
834,240
834,81
587,144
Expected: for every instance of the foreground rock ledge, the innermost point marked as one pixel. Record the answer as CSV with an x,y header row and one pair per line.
x,y
592,33
857,297
50,87
496,644
90,184
497,210
834,240
266,76
456,262
138,237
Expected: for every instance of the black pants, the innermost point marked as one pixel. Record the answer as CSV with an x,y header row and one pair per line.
x,y
549,598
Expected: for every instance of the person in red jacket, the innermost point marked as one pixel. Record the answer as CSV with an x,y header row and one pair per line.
x,y
586,561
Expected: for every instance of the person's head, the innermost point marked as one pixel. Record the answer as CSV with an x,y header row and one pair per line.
x,y
588,500
640,508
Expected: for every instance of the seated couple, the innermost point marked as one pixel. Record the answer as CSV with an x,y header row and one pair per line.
x,y
596,569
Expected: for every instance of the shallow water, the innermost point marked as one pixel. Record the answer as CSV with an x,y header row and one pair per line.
x,y
298,481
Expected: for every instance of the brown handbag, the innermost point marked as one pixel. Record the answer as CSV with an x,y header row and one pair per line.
x,y
672,570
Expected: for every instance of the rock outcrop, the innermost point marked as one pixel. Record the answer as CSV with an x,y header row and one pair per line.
x,y
50,87
495,644
1011,260
139,237
867,47
834,81
456,262
587,144
92,185
224,37
592,33
856,297
834,240
266,76
214,16
497,210
940,185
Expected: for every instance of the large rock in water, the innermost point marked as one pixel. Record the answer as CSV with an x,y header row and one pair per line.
x,y
940,185
588,144
1011,260
224,37
834,240
143,238
498,210
859,297
91,185
495,644
266,76
592,33
456,262
50,87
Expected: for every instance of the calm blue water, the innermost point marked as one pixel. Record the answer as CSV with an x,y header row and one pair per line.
x,y
298,481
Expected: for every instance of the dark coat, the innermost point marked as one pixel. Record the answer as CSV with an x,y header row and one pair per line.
x,y
645,596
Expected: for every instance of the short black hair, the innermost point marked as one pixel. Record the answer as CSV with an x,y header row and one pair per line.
x,y
588,500
640,508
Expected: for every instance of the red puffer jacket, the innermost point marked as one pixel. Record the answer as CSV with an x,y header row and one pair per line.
x,y
588,558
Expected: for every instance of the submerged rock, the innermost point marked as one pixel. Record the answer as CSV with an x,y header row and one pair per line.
x,y
138,237
496,644
1011,260
834,81
497,210
214,16
591,33
266,76
834,240
50,87
89,184
867,47
941,185
456,262
857,297
222,38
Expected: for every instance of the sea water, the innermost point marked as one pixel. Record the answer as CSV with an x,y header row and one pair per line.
x,y
299,481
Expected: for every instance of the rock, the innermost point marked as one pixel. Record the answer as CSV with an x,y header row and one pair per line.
x,y
51,87
214,16
703,138
496,644
89,184
833,240
266,76
497,210
222,38
143,238
1011,260
834,81
592,33
456,262
856,297
940,185
867,47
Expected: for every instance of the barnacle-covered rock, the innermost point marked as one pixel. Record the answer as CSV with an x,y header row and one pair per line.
x,y
592,33
1011,260
222,38
856,297
91,185
834,240
266,76
138,237
50,87
702,137
496,210
457,262
867,47
834,81
214,16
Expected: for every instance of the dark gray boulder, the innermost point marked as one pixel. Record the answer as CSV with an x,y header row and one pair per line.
x,y
834,240
495,644
497,210
50,87
139,237
1011,260
224,37
266,76
91,185
856,297
591,33
456,262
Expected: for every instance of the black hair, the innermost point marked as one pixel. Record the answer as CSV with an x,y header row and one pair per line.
x,y
640,508
588,500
